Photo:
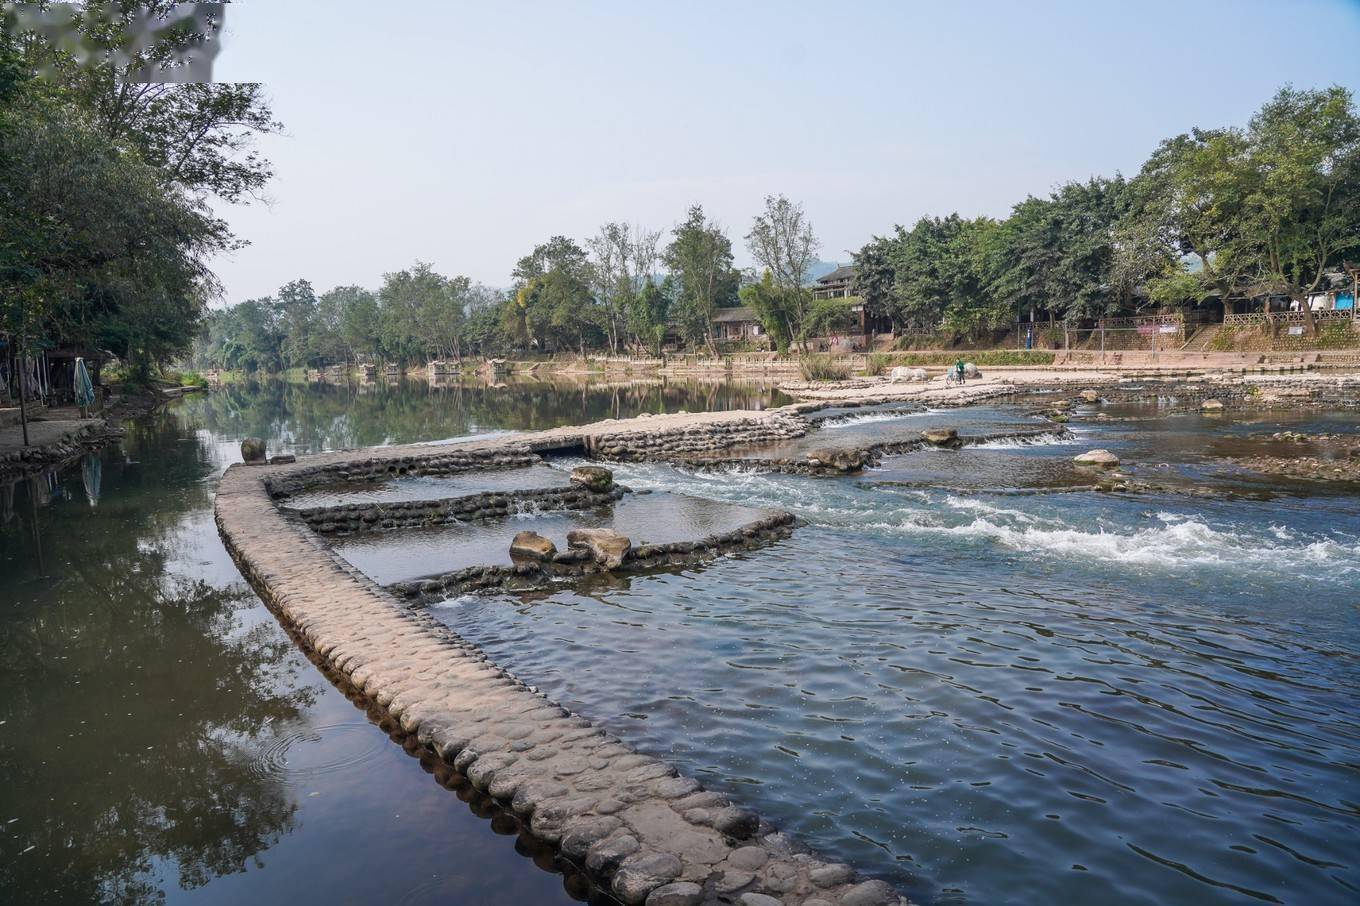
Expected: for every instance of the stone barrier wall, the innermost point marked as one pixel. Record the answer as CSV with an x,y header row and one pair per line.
x,y
634,446
576,562
369,468
346,519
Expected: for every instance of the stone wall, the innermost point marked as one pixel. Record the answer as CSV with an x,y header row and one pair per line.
x,y
371,468
349,518
576,562
634,445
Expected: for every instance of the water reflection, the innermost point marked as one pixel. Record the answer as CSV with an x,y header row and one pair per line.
x,y
307,418
133,694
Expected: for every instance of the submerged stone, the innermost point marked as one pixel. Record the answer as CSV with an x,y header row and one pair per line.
x,y
941,437
594,478
840,460
1211,405
606,546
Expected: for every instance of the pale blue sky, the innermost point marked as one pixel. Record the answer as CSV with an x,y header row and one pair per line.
x,y
464,133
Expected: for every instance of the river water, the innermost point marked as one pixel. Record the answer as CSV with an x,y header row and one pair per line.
x,y
161,740
983,693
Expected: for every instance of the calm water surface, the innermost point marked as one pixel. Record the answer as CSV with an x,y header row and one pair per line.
x,y
161,740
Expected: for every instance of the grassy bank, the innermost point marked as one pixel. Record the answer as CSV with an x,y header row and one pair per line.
x,y
881,362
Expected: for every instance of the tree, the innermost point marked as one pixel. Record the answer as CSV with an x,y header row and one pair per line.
x,y
699,258
1190,192
538,310
199,133
360,324
611,251
418,313
770,304
782,242
94,246
650,312
1301,212
875,282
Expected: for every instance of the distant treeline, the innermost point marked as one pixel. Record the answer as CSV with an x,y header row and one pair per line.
x,y
1218,214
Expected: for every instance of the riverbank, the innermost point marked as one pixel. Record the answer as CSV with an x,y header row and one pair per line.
x,y
57,436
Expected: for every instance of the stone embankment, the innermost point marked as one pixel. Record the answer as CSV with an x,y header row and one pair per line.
x,y
626,820
51,443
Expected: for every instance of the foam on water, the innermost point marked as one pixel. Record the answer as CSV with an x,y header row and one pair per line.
x,y
1097,534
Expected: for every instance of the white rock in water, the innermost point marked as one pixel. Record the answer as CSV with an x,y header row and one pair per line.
x,y
1103,458
1211,405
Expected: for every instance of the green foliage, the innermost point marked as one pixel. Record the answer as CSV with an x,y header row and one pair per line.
x,y
699,258
774,307
980,357
879,363
105,233
824,368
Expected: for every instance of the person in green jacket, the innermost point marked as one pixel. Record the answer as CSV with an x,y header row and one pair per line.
x,y
958,370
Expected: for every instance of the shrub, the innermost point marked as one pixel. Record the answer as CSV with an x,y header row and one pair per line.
x,y
878,363
980,357
824,368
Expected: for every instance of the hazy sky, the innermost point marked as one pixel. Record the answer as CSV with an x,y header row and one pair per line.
x,y
464,133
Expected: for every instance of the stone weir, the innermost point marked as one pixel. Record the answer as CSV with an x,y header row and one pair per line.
x,y
349,518
577,562
626,820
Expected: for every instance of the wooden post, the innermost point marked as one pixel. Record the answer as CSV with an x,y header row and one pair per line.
x,y
23,379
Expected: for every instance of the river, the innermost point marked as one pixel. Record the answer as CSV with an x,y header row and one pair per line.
x,y
977,691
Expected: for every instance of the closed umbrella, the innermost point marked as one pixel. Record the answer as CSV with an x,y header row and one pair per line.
x,y
84,386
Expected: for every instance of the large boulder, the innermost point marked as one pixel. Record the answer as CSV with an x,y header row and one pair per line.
x,y
607,547
840,460
1102,458
1211,406
594,478
531,546
902,373
1090,396
971,370
252,450
941,437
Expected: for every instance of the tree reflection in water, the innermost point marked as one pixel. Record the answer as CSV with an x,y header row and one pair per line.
x,y
309,418
131,693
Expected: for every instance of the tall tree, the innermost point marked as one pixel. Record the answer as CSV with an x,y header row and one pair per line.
x,y
782,242
611,251
699,258
1302,210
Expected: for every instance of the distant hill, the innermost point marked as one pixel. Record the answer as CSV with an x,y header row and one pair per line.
x,y
820,269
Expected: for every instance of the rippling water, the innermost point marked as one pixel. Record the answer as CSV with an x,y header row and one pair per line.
x,y
999,697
